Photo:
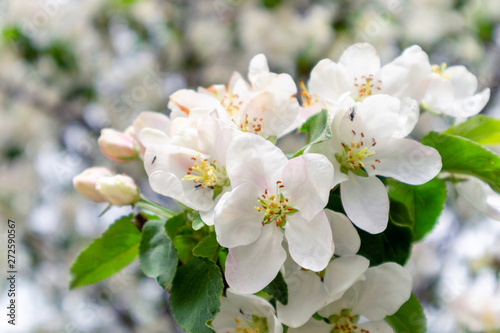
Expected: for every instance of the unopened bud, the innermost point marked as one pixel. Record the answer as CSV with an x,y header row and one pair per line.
x,y
118,190
117,146
85,183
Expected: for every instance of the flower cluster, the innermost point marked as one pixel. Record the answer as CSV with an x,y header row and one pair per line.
x,y
271,212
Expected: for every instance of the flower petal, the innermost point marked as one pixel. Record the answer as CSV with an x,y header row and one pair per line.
x,y
377,326
342,273
470,106
308,180
345,236
252,159
306,295
366,202
258,66
386,288
360,59
249,268
236,221
313,325
310,243
408,161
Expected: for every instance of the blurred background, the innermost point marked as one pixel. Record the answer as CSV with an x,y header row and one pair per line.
x,y
70,68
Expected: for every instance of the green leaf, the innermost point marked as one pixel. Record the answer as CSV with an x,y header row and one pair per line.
x,y
173,225
481,129
464,156
410,318
197,221
208,248
195,295
318,127
422,205
108,254
394,244
157,255
278,289
184,244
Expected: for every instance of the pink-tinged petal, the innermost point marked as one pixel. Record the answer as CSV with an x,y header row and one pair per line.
x,y
464,82
306,295
310,243
360,59
386,288
149,119
249,268
342,273
236,220
255,160
257,67
308,180
186,99
366,202
407,75
313,325
468,107
377,327
345,236
408,161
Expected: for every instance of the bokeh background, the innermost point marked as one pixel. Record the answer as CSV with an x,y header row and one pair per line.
x,y
70,68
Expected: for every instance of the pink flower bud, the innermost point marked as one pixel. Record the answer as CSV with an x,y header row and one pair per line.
x,y
118,190
85,183
117,146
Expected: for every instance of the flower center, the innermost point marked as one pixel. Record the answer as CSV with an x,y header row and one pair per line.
x,y
307,98
253,125
206,174
440,70
345,323
275,206
354,153
365,85
231,102
250,324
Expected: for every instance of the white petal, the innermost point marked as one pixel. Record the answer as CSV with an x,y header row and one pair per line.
x,y
312,326
310,242
249,268
324,82
409,113
150,136
386,288
464,82
360,59
379,115
308,180
407,75
470,106
342,273
366,202
306,295
377,326
258,66
187,99
236,220
408,161
345,236
346,302
439,96
252,159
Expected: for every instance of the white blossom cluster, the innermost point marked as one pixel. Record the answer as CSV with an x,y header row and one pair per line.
x,y
216,154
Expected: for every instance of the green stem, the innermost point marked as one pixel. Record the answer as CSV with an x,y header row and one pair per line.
x,y
154,207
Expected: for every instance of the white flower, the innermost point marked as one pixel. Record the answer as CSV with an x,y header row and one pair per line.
x,y
368,140
158,125
358,72
381,293
193,170
267,107
307,293
272,198
245,314
452,91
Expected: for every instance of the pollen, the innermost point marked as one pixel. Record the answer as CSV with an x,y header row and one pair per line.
x,y
307,98
365,85
206,174
354,154
274,206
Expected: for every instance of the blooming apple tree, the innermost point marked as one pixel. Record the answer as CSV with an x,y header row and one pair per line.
x,y
256,239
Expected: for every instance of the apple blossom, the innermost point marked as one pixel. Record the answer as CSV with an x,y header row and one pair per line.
x,y
272,198
190,166
452,91
368,141
267,107
117,146
381,293
307,292
157,123
245,314
358,72
85,183
118,190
